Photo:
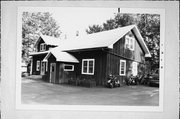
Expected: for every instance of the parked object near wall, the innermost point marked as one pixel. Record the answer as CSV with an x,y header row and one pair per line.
x,y
88,60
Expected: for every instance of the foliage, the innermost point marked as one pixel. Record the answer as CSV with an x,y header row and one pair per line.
x,y
34,24
148,24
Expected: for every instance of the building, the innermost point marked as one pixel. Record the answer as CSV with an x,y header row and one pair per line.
x,y
91,57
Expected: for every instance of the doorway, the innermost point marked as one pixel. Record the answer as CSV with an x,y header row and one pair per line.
x,y
52,72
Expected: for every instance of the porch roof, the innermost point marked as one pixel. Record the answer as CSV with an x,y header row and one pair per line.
x,y
38,53
61,56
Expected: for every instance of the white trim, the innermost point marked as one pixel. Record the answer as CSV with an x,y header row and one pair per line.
x,y
134,68
31,66
42,47
88,60
69,69
124,68
38,65
129,42
43,66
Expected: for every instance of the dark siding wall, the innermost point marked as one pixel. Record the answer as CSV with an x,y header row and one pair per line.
x,y
100,65
136,54
38,46
119,52
47,46
35,58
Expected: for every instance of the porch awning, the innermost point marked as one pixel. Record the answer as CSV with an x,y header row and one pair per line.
x,y
61,56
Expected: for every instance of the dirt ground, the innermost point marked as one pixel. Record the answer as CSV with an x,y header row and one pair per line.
x,y
35,91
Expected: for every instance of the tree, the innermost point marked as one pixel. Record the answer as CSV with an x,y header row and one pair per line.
x,y
94,29
34,24
149,26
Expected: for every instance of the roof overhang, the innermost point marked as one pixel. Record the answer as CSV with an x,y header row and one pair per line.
x,y
61,57
141,41
38,53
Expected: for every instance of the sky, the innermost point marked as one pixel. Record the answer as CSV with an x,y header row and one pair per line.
x,y
73,19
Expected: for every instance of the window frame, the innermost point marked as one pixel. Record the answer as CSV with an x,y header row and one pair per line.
x,y
120,69
68,69
42,47
129,42
88,60
38,65
134,68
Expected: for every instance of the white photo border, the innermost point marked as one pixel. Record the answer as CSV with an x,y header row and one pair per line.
x,y
159,108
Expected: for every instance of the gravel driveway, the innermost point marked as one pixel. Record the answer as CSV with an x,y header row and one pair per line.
x,y
35,91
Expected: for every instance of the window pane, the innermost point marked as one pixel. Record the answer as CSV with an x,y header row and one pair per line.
x,y
84,69
122,67
90,69
68,67
91,63
85,63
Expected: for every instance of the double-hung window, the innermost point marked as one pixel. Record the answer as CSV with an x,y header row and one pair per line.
x,y
42,47
129,42
88,66
134,68
122,68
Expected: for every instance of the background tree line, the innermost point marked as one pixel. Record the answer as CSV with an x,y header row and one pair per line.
x,y
34,24
149,26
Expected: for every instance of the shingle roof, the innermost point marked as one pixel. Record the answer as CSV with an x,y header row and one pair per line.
x,y
95,40
101,39
49,40
61,56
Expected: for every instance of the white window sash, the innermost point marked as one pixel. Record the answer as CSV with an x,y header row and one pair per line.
x,y
129,42
68,69
134,68
88,60
42,47
120,68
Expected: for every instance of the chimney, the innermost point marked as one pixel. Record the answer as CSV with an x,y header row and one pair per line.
x,y
77,33
118,10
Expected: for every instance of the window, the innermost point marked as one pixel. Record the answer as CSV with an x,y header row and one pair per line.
x,y
42,47
129,42
68,67
37,65
88,66
122,68
134,68
42,68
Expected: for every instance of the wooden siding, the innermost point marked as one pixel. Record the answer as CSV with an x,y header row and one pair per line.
x,y
100,65
136,55
47,46
119,52
35,59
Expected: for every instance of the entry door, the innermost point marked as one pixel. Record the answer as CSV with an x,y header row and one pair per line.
x,y
52,72
42,68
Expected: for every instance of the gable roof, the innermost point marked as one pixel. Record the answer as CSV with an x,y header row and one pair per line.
x,y
61,56
102,39
49,40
